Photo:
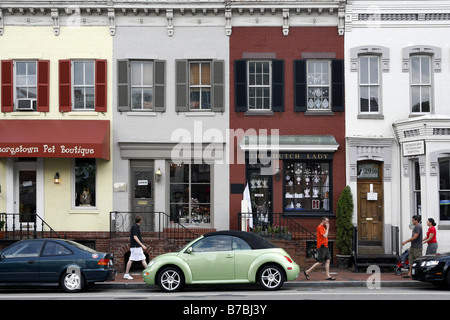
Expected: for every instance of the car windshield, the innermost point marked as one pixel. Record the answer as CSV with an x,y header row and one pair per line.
x,y
81,247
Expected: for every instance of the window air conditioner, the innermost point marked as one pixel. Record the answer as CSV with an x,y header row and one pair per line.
x,y
26,104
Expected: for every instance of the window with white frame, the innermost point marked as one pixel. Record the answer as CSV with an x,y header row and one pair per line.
x,y
259,85
85,172
83,85
444,190
417,210
420,83
25,85
318,81
141,85
369,84
199,85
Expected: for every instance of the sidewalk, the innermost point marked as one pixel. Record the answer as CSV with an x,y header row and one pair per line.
x,y
344,278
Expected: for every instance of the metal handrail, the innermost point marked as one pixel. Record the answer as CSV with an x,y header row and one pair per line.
x,y
155,223
16,230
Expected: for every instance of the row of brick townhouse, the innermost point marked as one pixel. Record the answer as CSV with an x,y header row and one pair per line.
x,y
110,108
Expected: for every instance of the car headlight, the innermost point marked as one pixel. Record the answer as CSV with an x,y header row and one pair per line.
x,y
432,263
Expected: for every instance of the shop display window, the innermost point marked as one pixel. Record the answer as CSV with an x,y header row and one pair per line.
x,y
190,193
307,187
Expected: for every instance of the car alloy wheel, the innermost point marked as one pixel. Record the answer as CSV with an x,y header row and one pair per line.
x,y
72,282
171,279
271,277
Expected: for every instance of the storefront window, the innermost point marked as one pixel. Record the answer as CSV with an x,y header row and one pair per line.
x,y
85,182
444,190
307,186
190,193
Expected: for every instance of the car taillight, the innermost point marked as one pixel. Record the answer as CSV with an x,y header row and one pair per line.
x,y
103,262
288,259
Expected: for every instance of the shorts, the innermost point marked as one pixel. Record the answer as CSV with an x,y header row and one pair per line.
x,y
136,254
414,253
323,254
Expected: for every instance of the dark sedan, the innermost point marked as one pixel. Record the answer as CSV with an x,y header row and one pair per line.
x,y
433,268
66,263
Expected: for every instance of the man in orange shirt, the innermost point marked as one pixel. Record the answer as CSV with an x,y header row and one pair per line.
x,y
323,253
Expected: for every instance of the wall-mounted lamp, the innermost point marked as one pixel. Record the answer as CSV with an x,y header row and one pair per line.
x,y
56,179
158,175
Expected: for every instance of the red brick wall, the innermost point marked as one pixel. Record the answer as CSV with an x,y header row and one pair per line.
x,y
289,48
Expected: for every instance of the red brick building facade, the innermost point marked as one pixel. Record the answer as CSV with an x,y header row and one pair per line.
x,y
306,105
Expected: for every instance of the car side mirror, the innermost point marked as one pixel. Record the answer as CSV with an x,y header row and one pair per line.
x,y
189,250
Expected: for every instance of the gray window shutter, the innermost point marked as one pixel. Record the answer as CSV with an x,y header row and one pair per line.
x,y
218,86
159,92
123,99
181,74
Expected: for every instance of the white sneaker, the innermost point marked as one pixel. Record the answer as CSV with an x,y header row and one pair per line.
x,y
127,276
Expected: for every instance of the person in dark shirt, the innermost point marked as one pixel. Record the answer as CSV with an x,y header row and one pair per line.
x,y
415,251
136,247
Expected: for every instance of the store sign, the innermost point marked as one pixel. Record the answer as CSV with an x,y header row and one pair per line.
x,y
413,148
48,150
292,156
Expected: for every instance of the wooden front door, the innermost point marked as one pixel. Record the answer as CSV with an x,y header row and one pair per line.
x,y
370,206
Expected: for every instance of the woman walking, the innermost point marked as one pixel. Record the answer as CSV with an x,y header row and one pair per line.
x,y
431,237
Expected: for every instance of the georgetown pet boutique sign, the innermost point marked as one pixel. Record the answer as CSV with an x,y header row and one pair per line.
x,y
47,150
413,148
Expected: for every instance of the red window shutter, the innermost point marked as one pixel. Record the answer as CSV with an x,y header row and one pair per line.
x,y
7,73
65,89
101,67
43,80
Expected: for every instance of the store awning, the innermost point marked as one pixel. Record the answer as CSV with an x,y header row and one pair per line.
x,y
307,143
55,138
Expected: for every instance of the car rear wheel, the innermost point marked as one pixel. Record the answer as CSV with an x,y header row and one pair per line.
x,y
171,279
271,277
72,282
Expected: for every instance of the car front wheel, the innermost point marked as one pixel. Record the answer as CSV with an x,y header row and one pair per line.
x,y
171,279
271,277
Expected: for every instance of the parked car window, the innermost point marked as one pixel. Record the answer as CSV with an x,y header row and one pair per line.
x,y
55,249
214,243
24,250
239,244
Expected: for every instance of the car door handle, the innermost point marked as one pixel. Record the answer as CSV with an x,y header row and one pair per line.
x,y
30,261
229,256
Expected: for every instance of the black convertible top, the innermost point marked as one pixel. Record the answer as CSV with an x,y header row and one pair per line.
x,y
253,240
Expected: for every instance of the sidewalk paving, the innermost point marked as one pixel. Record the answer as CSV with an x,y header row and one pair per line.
x,y
344,278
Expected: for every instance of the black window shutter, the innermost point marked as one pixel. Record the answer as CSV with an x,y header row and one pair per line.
x,y
278,85
123,99
240,85
337,90
300,103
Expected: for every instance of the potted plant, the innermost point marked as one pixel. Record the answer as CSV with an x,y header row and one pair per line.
x,y
344,215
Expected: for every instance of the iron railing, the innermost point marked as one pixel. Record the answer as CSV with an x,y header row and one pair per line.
x,y
18,226
279,226
154,224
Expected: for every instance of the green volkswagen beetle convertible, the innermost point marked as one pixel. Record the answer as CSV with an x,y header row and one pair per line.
x,y
223,257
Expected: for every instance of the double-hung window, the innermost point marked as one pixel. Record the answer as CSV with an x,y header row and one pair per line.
x,y
83,85
318,81
200,85
26,85
141,85
369,84
420,83
259,85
